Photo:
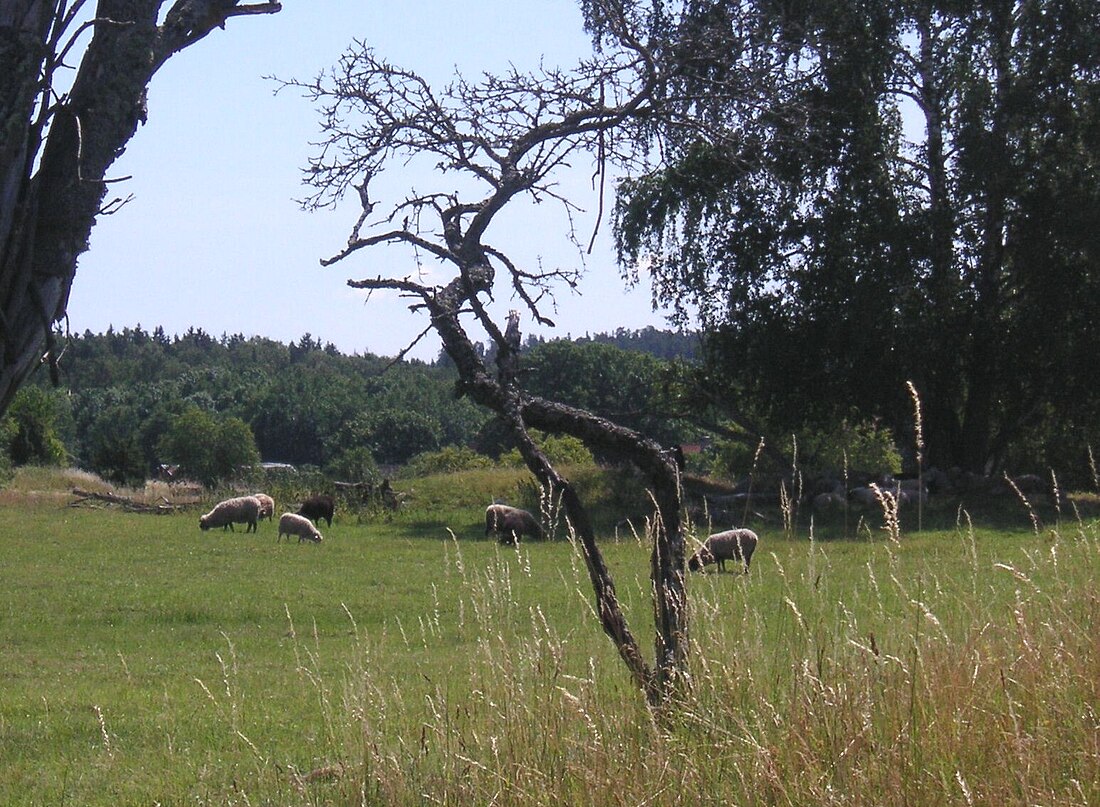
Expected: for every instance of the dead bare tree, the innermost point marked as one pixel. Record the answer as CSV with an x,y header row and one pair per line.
x,y
507,137
57,145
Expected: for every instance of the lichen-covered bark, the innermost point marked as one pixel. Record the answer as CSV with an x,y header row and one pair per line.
x,y
53,168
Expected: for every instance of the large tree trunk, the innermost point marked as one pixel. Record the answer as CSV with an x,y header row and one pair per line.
x,y
986,360
47,210
24,30
941,387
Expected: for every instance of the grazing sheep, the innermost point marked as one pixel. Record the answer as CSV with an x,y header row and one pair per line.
x,y
902,495
722,546
510,523
826,502
863,497
318,507
241,510
267,506
294,524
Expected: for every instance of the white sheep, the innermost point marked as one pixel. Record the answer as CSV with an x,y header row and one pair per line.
x,y
267,506
294,524
240,510
736,544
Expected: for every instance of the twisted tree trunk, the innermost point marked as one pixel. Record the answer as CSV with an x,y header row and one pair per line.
x,y
661,681
511,138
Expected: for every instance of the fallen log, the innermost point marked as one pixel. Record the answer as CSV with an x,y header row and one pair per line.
x,y
128,504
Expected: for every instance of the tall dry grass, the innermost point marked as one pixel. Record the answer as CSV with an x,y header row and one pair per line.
x,y
897,674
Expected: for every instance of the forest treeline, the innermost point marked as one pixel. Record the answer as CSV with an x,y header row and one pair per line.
x,y
130,401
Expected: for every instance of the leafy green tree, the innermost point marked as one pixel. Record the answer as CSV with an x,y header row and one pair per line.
x,y
33,431
209,448
623,385
113,446
905,195
297,413
354,464
398,436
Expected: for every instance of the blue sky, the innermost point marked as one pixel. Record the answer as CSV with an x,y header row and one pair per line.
x,y
213,237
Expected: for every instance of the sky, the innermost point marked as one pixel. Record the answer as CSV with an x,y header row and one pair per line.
x,y
214,238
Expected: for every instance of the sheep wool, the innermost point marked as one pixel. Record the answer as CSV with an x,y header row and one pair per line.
x,y
722,546
510,523
239,510
294,524
317,507
267,506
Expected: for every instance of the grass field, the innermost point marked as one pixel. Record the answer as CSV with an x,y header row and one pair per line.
x,y
399,662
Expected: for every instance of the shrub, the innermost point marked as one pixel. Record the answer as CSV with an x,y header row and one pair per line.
x,y
353,465
33,422
7,431
446,461
868,446
209,448
865,446
560,450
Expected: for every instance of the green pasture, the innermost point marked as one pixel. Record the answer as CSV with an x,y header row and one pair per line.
x,y
408,661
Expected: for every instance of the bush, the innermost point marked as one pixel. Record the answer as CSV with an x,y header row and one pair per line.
x,y
732,458
113,449
209,448
7,431
353,465
867,446
560,450
32,428
446,461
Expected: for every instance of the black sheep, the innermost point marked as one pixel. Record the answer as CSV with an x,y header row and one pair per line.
x,y
317,507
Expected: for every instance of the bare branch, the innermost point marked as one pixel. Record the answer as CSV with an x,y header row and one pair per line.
x,y
404,352
388,237
188,21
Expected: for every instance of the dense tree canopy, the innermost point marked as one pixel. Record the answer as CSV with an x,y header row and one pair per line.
x,y
124,393
304,403
207,447
907,192
32,431
624,386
